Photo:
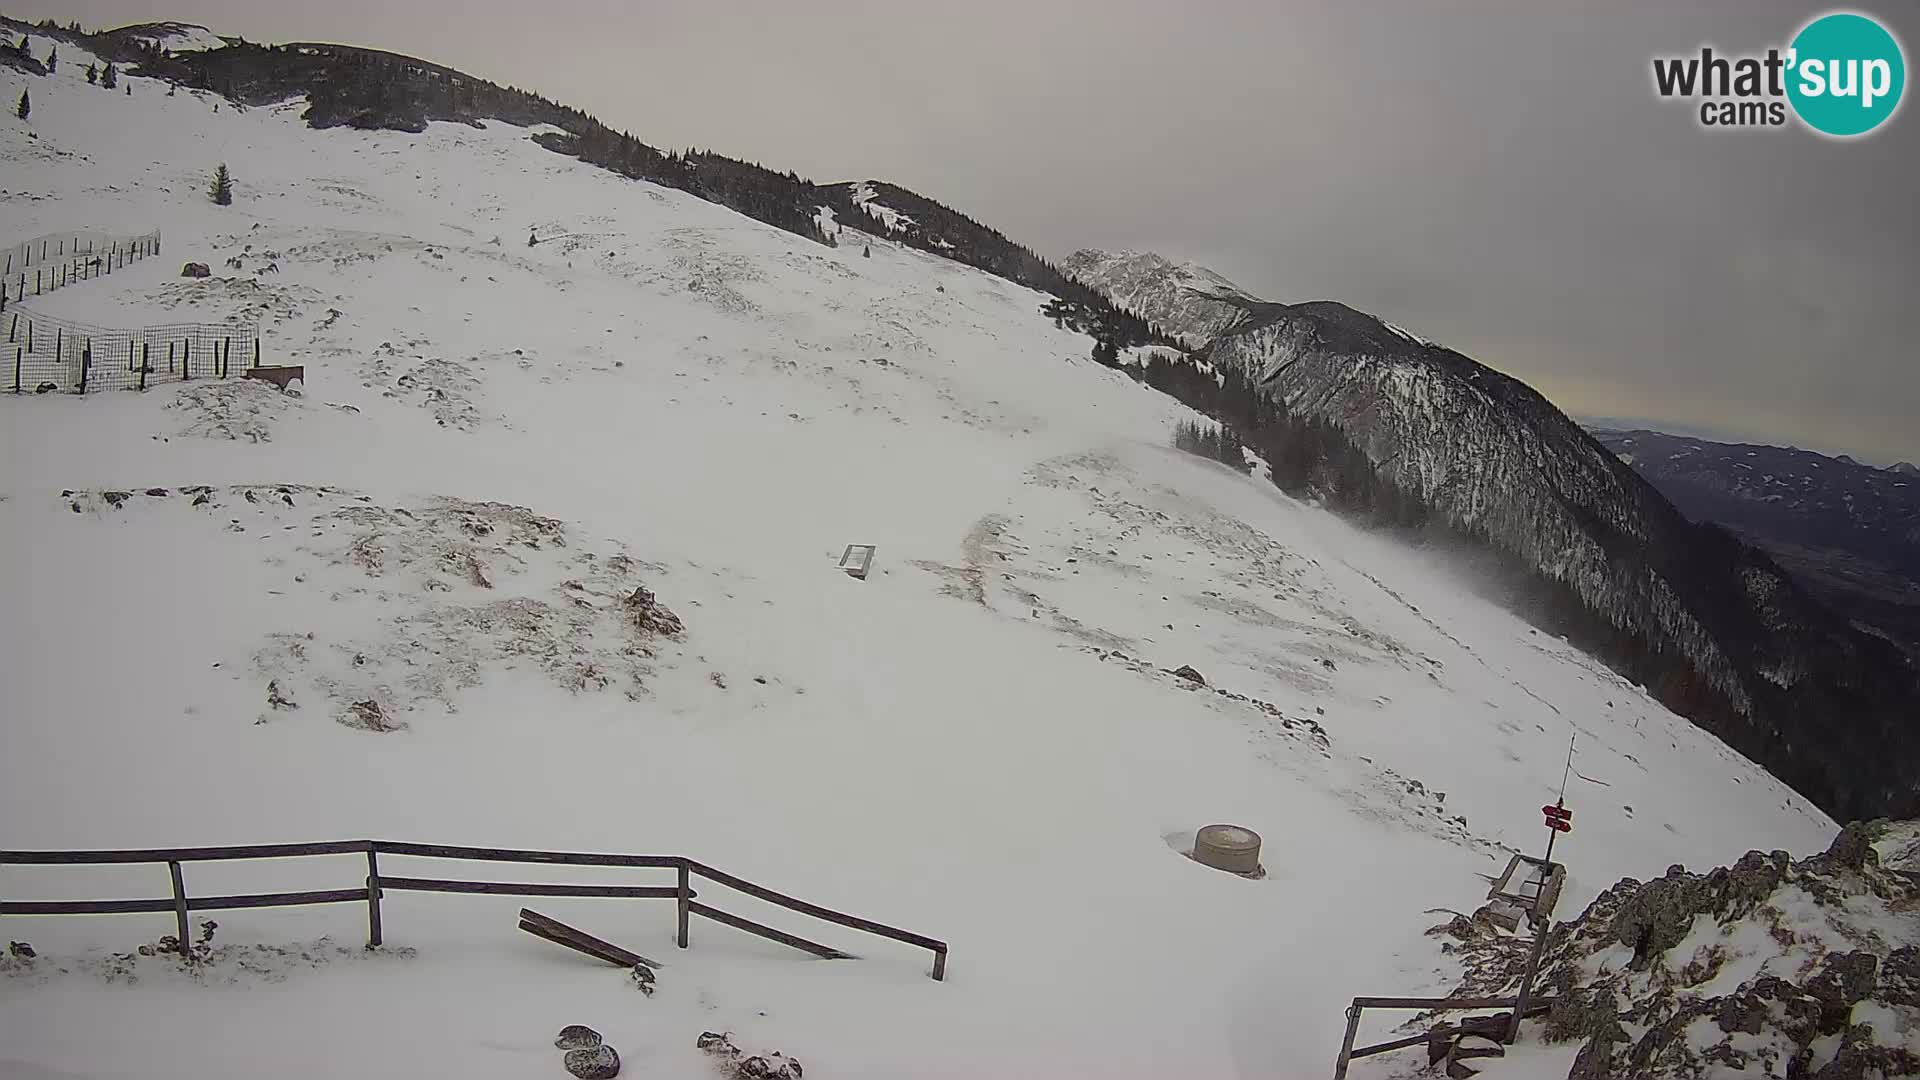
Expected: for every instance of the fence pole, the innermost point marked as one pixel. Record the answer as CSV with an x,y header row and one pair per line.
x,y
86,364
16,369
169,357
373,898
146,351
226,364
1526,981
186,360
256,350
180,908
686,890
1346,1046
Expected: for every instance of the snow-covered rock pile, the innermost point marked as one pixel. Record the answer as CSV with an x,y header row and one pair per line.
x,y
1770,967
414,602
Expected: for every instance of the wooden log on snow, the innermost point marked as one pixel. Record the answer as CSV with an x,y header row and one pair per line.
x,y
560,933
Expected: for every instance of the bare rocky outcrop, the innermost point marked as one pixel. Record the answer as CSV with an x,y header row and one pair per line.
x,y
1773,966
741,1065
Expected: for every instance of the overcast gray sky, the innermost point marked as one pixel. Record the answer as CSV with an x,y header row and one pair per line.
x,y
1496,176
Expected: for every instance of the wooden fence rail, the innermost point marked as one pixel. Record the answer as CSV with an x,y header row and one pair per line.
x,y
378,883
1348,1053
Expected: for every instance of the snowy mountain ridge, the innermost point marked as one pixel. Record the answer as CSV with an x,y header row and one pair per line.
x,y
1850,531
1185,299
1717,628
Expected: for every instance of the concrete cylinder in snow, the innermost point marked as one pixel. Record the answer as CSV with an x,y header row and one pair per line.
x,y
1228,847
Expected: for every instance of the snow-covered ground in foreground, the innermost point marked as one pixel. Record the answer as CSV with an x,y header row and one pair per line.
x,y
981,742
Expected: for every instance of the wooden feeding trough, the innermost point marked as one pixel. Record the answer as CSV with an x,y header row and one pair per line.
x,y
857,560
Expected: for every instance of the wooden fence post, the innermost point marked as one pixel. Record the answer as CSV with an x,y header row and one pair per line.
x,y
86,364
146,362
180,908
686,896
186,359
1346,1046
16,369
256,350
373,897
169,357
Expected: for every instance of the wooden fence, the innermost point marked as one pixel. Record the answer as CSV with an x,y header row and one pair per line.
x,y
1445,1032
376,883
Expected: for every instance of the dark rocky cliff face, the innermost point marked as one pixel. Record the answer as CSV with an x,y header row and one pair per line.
x,y
1849,531
1710,624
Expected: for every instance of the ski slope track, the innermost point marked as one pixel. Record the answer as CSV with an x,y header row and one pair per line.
x,y
982,741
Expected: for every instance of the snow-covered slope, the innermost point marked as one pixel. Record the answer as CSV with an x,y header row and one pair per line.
x,y
175,36
868,200
982,741
1187,300
1716,626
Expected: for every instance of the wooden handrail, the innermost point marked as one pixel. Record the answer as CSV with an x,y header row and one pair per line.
x,y
193,854
377,882
523,888
815,910
521,855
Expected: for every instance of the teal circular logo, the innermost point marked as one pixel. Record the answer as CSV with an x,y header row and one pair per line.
x,y
1847,74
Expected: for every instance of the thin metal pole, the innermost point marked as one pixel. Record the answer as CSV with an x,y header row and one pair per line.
x,y
1526,981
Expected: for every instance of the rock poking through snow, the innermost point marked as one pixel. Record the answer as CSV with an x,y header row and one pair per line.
x,y
737,1063
1770,967
594,1063
577,1037
651,616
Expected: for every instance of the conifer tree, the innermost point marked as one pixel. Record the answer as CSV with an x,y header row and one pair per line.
x,y
53,58
93,74
222,190
25,107
110,78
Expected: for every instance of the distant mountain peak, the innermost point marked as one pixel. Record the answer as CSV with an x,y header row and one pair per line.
x,y
1905,468
1185,299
